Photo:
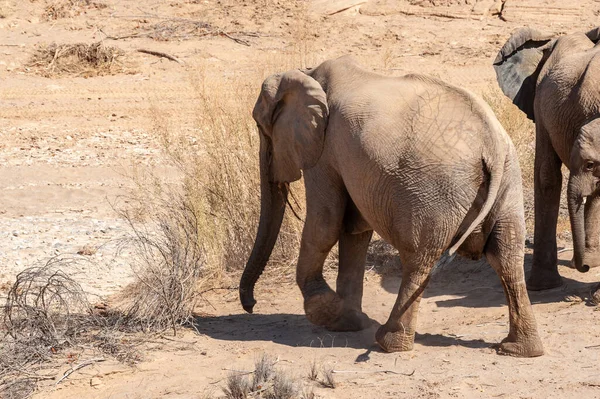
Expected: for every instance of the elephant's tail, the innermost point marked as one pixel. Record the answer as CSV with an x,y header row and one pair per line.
x,y
495,171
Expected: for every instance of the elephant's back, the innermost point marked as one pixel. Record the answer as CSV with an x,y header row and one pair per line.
x,y
425,157
428,121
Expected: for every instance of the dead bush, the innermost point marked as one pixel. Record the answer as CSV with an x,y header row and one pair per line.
x,y
47,312
168,262
185,29
79,59
69,8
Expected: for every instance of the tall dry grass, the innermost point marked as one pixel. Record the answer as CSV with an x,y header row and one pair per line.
x,y
218,159
522,133
520,129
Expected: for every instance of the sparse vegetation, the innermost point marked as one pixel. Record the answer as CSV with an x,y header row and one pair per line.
x,y
266,382
313,372
328,378
79,59
46,314
58,9
219,161
167,264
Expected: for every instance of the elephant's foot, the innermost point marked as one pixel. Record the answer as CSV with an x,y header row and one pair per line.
x,y
395,341
523,347
543,279
350,320
327,310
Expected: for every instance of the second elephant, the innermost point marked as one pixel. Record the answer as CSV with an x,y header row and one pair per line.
x,y
555,81
424,164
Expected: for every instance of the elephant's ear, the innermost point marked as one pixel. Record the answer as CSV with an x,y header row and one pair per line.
x,y
593,35
292,111
518,65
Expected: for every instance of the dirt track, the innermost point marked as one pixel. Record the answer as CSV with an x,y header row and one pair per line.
x,y
68,145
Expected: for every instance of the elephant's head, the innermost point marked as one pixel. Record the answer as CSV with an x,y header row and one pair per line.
x,y
291,113
584,181
520,60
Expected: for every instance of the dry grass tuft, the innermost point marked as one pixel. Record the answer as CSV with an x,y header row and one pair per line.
x,y
219,163
168,262
238,386
80,59
328,378
69,8
313,372
267,382
264,368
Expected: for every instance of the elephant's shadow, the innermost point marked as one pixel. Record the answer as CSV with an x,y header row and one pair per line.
x,y
296,330
476,285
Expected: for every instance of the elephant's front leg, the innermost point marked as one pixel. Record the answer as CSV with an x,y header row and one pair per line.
x,y
547,186
323,227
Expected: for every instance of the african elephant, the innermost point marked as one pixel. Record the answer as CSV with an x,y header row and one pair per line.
x,y
555,81
424,164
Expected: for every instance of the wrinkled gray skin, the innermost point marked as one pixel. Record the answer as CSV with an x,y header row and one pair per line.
x,y
424,164
556,82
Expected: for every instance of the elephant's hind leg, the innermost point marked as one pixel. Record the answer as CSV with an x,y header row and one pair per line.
x,y
505,253
398,333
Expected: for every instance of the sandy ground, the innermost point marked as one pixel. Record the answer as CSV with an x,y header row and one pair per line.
x,y
69,145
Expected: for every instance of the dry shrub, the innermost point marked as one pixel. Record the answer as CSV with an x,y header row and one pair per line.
x,y
185,29
219,161
47,312
168,262
80,59
69,8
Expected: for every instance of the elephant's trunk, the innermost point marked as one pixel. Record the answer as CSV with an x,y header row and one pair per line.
x,y
576,215
272,209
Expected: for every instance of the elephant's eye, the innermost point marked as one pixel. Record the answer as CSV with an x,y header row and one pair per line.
x,y
589,165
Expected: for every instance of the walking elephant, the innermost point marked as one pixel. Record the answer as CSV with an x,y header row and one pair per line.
x,y
424,164
555,81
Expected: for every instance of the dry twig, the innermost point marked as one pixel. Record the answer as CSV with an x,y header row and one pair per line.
x,y
160,54
78,367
